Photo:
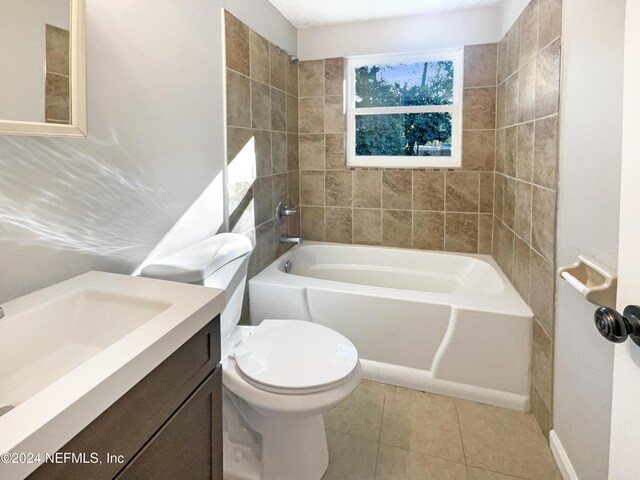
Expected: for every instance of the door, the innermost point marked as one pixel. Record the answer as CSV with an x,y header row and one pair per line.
x,y
624,463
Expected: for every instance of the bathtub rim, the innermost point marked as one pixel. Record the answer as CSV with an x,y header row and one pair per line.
x,y
507,302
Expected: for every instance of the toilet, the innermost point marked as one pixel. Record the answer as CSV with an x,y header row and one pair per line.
x,y
279,377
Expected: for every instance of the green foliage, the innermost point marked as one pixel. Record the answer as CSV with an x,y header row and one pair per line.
x,y
402,134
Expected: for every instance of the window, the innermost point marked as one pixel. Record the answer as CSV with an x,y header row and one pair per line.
x,y
405,111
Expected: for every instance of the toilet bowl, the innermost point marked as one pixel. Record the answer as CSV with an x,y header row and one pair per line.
x,y
279,377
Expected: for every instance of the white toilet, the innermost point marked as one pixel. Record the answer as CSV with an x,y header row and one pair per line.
x,y
279,377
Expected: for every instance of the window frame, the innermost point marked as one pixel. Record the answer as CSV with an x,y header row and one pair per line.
x,y
456,55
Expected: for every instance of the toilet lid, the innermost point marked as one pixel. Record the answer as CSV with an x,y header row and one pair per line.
x,y
294,357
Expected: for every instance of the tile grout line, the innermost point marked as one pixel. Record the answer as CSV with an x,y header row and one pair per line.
x,y
384,403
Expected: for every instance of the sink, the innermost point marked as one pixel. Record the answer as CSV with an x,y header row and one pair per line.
x,y
46,342
69,351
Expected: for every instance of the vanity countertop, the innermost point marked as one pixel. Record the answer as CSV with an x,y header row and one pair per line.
x,y
69,351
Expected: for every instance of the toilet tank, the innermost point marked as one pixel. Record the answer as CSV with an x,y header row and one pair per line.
x,y
220,261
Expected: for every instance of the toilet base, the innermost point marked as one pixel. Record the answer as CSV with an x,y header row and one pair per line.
x,y
295,448
290,448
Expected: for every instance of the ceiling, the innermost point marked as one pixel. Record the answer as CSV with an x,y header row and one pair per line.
x,y
306,13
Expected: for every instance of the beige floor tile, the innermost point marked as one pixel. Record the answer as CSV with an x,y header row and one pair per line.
x,y
505,441
423,423
399,464
361,413
478,474
350,458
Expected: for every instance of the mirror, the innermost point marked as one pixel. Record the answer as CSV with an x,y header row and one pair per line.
x,y
42,67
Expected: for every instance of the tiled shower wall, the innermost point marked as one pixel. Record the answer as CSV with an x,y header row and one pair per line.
x,y
526,177
426,209
262,140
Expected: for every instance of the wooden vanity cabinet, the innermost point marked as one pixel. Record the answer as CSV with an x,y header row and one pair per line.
x,y
168,426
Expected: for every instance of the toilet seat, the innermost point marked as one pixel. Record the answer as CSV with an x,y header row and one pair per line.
x,y
294,357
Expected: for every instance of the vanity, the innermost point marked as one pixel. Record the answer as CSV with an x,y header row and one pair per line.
x,y
112,376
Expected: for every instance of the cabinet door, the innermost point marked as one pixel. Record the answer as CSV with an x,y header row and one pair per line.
x,y
189,444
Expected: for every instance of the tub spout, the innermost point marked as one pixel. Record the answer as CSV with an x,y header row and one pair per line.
x,y
290,239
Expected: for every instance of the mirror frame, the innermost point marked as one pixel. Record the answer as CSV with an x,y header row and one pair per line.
x,y
78,93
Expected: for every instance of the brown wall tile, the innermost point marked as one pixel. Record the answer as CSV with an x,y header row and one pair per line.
x,y
333,115
479,150
236,44
521,268
262,198
479,108
291,78
396,189
541,294
334,76
277,64
334,150
543,222
480,65
487,180
527,92
238,100
522,221
509,209
428,190
260,106
311,114
485,234
550,21
463,190
367,188
513,54
312,187
529,32
312,223
311,78
293,184
339,225
428,230
293,152
548,80
396,228
511,100
461,233
57,50
279,153
546,152
278,110
367,226
311,151
259,53
510,151
542,364
524,153
338,188
237,139
292,114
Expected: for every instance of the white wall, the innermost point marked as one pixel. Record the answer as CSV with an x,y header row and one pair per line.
x,y
445,30
510,11
22,46
590,152
155,145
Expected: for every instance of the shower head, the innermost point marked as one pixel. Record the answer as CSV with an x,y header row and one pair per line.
x,y
293,60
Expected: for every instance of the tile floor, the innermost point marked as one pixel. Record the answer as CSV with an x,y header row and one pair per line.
x,y
389,433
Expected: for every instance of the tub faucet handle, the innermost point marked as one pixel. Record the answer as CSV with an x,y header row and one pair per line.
x,y
282,212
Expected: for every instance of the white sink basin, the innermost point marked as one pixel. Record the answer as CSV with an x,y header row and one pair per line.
x,y
69,351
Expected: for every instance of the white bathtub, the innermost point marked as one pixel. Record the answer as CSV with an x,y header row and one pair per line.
x,y
439,322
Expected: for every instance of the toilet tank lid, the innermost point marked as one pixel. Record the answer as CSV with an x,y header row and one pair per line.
x,y
197,262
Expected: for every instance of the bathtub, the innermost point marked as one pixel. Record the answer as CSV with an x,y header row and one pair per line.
x,y
444,323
